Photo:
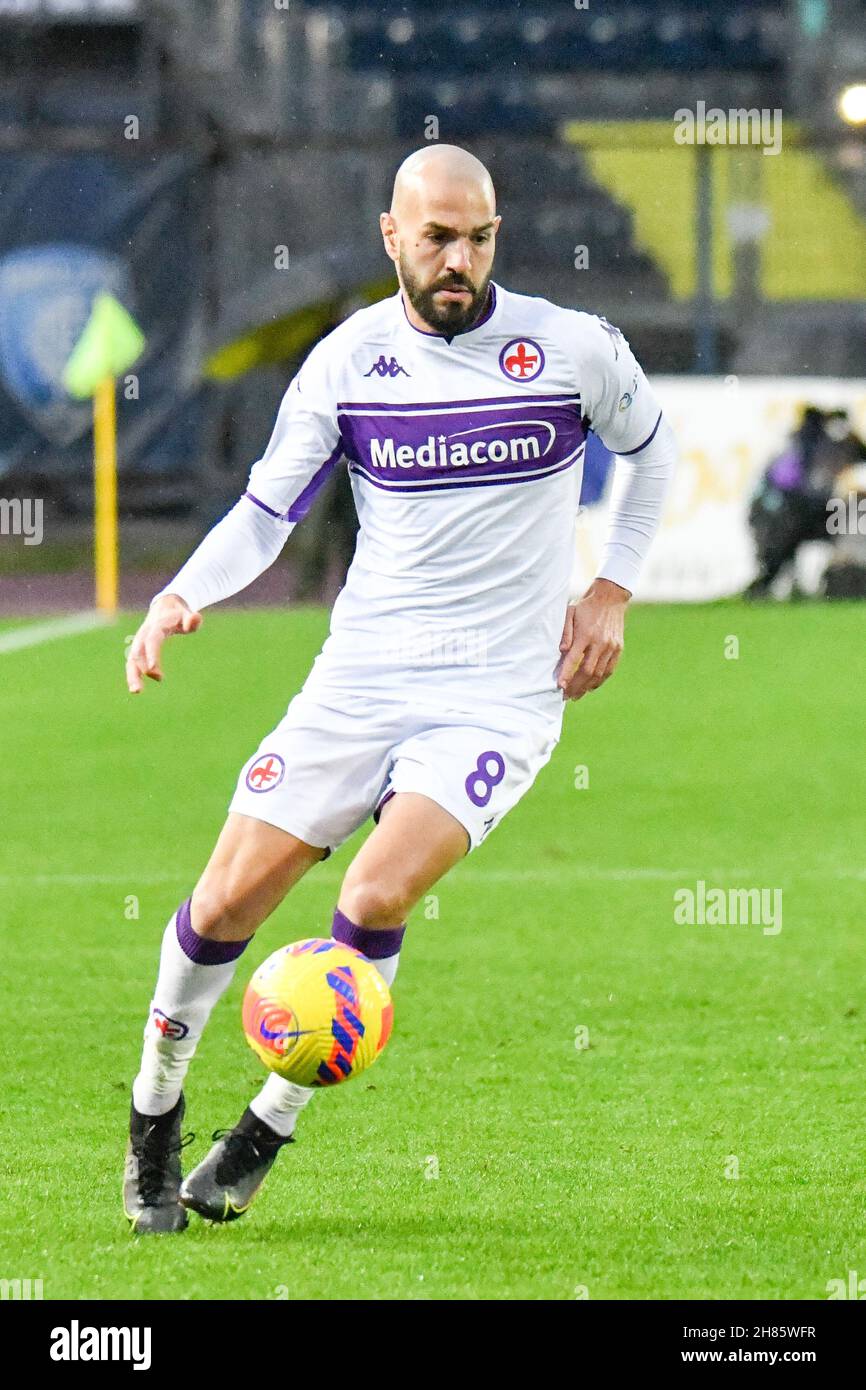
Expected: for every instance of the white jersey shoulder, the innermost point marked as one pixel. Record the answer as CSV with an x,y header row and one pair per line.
x,y
582,352
529,346
370,327
618,402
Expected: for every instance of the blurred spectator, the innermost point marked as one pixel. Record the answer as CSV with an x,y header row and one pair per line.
x,y
789,506
845,576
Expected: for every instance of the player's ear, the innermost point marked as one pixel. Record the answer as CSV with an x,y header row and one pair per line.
x,y
389,235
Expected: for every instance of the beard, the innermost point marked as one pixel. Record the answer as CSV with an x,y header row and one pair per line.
x,y
450,316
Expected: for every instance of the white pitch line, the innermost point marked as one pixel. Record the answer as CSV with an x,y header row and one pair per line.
x,y
479,876
34,634
472,875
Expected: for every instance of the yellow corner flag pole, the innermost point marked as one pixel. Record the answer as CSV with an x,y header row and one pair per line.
x,y
109,344
105,548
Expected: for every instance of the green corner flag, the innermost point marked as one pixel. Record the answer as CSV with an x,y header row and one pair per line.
x,y
110,343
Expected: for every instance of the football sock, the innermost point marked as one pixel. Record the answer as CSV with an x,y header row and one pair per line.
x,y
381,945
194,972
279,1102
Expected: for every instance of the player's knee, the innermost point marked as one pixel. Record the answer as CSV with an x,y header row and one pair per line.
x,y
218,911
376,903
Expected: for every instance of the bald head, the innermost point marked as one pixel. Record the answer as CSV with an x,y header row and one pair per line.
x,y
441,234
439,172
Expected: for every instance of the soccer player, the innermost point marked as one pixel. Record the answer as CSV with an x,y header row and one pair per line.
x,y
461,410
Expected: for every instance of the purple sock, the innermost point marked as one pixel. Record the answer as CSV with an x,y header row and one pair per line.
x,y
200,948
376,943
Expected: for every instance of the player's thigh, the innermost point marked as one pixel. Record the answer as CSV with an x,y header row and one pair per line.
x,y
415,842
321,771
478,774
251,870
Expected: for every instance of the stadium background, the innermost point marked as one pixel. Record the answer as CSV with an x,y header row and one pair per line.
x,y
219,167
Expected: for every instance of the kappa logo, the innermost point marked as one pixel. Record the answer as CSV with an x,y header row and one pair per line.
x,y
266,773
521,359
169,1027
390,368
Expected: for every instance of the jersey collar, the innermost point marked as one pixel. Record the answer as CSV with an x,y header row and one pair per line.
x,y
488,318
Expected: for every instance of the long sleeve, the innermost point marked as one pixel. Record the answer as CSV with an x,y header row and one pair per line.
x,y
302,452
623,411
234,553
640,486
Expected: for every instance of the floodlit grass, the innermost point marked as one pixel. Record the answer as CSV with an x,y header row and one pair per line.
x,y
489,1153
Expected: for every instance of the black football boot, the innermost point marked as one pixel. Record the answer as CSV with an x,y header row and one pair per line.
x,y
152,1175
224,1184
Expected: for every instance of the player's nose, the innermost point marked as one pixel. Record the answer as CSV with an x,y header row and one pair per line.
x,y
459,256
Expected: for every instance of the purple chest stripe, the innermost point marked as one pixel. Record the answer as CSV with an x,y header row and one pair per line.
x,y
455,445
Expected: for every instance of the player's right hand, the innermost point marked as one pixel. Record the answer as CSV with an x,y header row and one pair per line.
x,y
166,617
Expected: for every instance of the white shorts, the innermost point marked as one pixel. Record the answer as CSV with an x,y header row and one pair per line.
x,y
324,770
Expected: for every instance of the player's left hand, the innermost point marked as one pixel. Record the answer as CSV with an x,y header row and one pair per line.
x,y
592,639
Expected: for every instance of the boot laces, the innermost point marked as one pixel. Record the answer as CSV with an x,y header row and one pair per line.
x,y
153,1154
241,1154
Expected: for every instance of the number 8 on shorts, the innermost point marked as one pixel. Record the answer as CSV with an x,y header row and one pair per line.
x,y
481,780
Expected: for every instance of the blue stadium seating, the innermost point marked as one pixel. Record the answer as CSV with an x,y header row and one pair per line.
x,y
470,112
73,74
463,39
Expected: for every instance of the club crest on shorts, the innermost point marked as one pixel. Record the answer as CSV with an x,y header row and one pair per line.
x,y
266,773
521,359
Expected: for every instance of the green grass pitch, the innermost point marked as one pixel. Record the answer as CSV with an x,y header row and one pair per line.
x,y
486,1155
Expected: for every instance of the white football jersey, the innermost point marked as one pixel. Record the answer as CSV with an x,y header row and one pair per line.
x,y
465,456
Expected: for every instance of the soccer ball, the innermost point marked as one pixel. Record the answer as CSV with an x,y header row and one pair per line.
x,y
317,1012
